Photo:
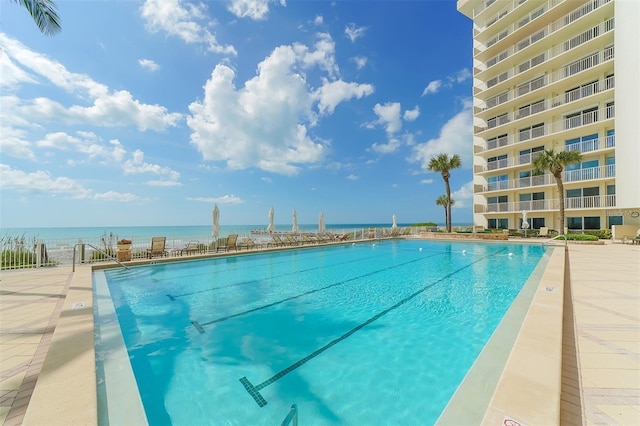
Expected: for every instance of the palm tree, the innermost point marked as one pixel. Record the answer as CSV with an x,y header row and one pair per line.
x,y
443,164
555,162
44,14
443,201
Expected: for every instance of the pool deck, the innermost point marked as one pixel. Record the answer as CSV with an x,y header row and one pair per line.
x,y
600,385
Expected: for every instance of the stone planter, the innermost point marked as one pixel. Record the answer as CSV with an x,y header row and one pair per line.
x,y
123,252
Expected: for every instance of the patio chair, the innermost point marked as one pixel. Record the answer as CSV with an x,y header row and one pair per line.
x,y
191,247
544,232
248,243
157,247
291,240
228,244
277,241
632,240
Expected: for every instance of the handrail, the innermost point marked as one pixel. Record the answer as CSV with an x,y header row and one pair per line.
x,y
557,236
73,269
292,416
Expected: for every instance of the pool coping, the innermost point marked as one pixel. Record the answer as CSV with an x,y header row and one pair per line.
x,y
523,383
63,395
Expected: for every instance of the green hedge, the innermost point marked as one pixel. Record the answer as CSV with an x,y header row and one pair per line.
x,y
581,237
602,234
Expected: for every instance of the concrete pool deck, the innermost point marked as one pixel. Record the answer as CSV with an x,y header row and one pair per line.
x,y
600,384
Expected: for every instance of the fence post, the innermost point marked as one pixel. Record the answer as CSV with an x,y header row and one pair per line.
x,y
81,250
38,253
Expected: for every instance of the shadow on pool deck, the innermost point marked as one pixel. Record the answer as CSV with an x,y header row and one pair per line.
x,y
601,352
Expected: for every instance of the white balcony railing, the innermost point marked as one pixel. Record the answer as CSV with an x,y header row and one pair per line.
x,y
589,202
544,32
547,79
531,181
590,173
557,50
568,123
592,145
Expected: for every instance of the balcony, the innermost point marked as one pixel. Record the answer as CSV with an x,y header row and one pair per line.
x,y
528,182
592,145
533,132
575,95
574,203
557,50
550,29
590,173
572,69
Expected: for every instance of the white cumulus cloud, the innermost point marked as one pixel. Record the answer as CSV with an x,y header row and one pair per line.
x,y
184,20
432,87
333,92
455,138
148,64
252,9
265,122
107,108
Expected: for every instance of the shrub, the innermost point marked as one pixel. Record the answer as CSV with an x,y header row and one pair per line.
x,y
581,237
603,234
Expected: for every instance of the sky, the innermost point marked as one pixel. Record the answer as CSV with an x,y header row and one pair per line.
x,y
150,112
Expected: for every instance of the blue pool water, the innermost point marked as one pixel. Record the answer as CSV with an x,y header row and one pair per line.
x,y
355,334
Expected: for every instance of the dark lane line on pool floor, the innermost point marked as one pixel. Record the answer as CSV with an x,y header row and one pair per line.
x,y
268,278
254,390
200,325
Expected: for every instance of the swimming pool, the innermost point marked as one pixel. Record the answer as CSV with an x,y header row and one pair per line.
x,y
356,334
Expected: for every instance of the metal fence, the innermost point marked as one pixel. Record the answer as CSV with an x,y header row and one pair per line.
x,y
19,252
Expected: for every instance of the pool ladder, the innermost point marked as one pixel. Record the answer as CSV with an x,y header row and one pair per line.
x,y
557,236
73,269
292,416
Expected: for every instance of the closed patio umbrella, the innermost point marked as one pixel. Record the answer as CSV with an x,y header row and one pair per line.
x,y
321,225
272,227
294,228
216,221
395,224
525,223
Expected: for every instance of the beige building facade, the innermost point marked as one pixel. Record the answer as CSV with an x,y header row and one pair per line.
x,y
562,75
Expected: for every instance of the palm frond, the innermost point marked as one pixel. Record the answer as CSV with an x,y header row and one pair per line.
x,y
44,14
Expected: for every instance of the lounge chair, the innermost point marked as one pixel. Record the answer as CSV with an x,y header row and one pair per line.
x,y
292,241
248,243
228,243
632,240
307,239
157,247
544,232
191,247
277,241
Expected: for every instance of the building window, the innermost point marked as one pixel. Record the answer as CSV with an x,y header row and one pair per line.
x,y
537,222
498,141
532,108
611,138
611,196
498,224
581,92
581,118
498,162
534,131
614,220
497,204
498,182
592,222
611,109
528,155
582,198
583,144
574,223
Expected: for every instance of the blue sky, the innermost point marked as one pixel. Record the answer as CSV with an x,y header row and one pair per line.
x,y
148,113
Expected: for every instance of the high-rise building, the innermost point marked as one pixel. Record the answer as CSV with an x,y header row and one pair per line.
x,y
562,75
